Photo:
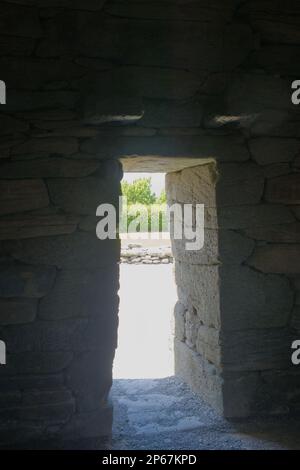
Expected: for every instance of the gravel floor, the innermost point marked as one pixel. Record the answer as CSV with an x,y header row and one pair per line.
x,y
163,414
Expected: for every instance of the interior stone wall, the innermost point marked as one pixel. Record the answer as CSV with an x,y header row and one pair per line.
x,y
237,313
89,82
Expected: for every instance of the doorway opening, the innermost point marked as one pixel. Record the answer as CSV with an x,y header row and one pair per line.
x,y
150,402
147,286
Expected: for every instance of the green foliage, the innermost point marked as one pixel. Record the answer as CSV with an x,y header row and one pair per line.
x,y
138,192
162,199
145,211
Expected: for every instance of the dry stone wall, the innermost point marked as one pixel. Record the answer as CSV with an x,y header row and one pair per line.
x,y
237,313
89,82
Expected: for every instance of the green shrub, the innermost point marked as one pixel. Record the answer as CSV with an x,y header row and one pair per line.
x,y
138,192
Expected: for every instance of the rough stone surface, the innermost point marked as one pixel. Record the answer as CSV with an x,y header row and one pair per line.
x,y
78,250
82,195
52,167
208,53
47,146
203,294
37,362
218,147
199,374
246,350
223,246
77,294
284,190
263,215
267,151
21,280
262,301
277,259
24,195
22,21
288,233
15,227
15,311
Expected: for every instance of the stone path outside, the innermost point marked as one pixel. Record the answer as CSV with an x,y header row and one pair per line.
x,y
154,414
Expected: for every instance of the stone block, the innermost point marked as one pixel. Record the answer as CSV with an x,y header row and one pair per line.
x,y
203,147
111,108
284,189
223,246
30,226
19,196
20,21
208,255
179,320
90,5
199,374
279,392
97,423
258,349
239,391
287,233
267,151
46,413
198,285
80,294
47,146
4,153
34,74
208,344
181,10
192,325
90,378
78,334
44,397
276,258
16,433
16,46
295,323
9,125
51,167
252,216
277,23
32,382
74,251
148,42
196,185
15,311
251,300
239,184
17,280
278,169
262,101
123,87
277,59
296,211
27,101
160,113
8,399
41,362
83,195
64,335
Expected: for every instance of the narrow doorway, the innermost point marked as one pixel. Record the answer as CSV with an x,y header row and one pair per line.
x,y
147,287
149,401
